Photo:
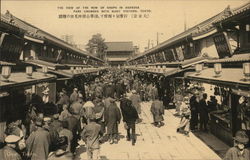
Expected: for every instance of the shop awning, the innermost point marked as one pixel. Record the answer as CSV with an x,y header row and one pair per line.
x,y
164,72
4,63
41,63
235,58
192,61
69,74
21,79
117,59
232,77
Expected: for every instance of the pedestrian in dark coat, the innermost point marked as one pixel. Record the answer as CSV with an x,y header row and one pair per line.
x,y
135,98
110,90
75,127
112,117
130,116
194,104
38,142
203,110
119,90
157,109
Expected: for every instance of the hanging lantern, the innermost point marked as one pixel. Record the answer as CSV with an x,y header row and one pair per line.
x,y
198,69
246,70
72,69
45,70
29,71
217,69
248,27
191,44
164,69
6,72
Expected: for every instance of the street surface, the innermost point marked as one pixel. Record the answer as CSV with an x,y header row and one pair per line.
x,y
155,143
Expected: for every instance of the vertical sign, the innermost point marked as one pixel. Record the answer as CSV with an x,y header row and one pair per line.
x,y
222,45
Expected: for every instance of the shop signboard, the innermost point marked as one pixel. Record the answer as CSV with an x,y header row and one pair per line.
x,y
222,45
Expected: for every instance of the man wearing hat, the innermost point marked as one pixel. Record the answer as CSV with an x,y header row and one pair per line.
x,y
91,135
38,142
9,152
239,152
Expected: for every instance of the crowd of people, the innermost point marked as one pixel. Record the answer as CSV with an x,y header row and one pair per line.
x,y
93,116
52,131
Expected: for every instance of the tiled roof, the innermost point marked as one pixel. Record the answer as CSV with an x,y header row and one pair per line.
x,y
40,34
119,46
235,58
8,20
207,26
236,11
199,29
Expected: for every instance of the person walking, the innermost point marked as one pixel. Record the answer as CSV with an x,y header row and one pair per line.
x,y
135,98
157,110
112,117
91,135
74,127
130,116
238,152
38,142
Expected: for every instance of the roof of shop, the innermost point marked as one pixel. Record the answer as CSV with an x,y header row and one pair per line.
x,y
235,58
4,63
197,30
235,12
229,76
117,59
119,46
35,32
21,79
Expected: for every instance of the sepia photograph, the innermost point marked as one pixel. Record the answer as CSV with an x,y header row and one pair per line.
x,y
125,80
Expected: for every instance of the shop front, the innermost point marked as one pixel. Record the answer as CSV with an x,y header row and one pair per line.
x,y
17,90
228,91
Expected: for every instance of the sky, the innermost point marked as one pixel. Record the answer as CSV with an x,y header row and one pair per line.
x,y
166,17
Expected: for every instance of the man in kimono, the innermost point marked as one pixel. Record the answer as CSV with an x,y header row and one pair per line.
x,y
112,118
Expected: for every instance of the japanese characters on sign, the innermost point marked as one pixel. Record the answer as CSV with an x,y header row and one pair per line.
x,y
102,12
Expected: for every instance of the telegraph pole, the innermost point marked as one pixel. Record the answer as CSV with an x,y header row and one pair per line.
x,y
157,37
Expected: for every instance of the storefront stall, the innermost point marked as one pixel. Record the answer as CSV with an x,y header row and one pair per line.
x,y
228,92
16,91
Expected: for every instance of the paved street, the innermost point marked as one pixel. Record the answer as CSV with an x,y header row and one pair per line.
x,y
155,143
